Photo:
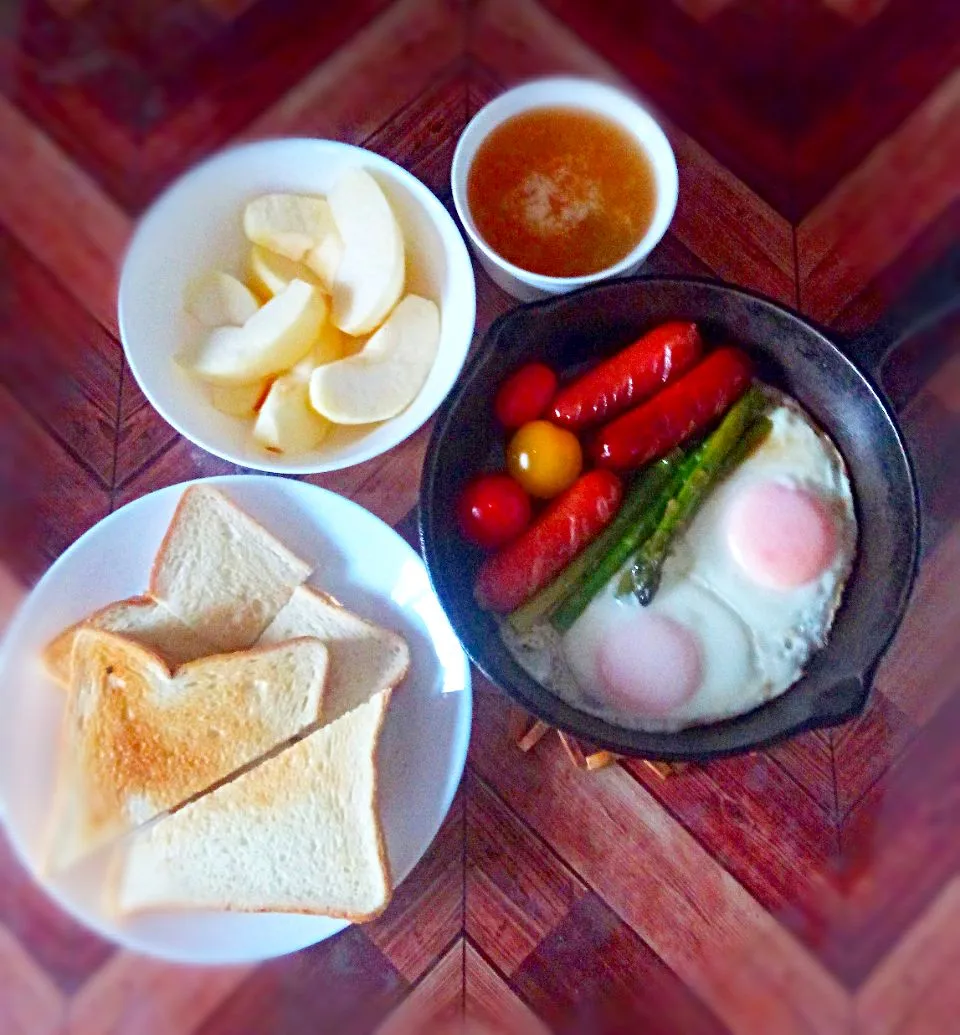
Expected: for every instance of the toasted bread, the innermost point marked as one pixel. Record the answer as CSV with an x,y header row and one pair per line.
x,y
221,572
141,619
364,658
299,833
139,740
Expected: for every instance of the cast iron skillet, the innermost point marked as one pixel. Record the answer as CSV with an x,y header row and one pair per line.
x,y
837,386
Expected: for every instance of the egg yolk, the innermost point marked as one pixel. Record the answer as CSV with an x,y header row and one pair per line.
x,y
650,664
781,535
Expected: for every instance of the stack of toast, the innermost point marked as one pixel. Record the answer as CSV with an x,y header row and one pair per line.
x,y
223,730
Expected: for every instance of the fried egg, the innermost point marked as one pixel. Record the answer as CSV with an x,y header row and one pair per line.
x,y
747,595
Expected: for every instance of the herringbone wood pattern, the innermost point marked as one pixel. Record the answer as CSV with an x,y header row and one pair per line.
x,y
809,889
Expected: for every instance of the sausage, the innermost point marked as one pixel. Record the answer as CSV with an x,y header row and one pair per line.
x,y
628,378
682,410
573,520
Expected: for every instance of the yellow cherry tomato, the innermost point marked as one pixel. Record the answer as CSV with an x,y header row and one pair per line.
x,y
544,459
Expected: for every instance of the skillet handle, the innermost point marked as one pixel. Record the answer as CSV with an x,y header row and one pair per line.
x,y
931,297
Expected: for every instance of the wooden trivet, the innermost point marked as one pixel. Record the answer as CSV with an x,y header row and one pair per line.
x,y
584,756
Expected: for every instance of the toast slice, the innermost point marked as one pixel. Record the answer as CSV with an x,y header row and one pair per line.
x,y
221,572
139,740
299,833
141,619
364,658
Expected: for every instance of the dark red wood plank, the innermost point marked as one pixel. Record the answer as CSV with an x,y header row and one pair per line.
x,y
517,890
875,297
47,499
178,463
594,974
271,46
426,914
918,675
122,76
104,148
850,97
90,51
491,1006
482,87
142,434
866,748
428,125
764,829
435,1005
67,950
899,846
344,985
672,257
58,361
808,759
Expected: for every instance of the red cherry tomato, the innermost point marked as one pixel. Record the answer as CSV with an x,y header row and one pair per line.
x,y
525,395
511,576
493,510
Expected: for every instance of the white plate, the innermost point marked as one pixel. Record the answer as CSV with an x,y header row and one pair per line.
x,y
359,559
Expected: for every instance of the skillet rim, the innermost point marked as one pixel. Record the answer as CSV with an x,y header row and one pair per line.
x,y
845,697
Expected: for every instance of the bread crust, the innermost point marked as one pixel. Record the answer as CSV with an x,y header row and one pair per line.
x,y
62,644
136,660
381,840
115,872
164,547
399,641
200,488
134,749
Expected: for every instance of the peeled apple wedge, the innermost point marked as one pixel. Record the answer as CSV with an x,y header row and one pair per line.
x,y
329,346
216,299
386,375
287,423
289,224
270,273
272,340
370,276
239,400
324,260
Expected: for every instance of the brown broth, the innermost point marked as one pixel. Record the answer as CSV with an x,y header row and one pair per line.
x,y
561,191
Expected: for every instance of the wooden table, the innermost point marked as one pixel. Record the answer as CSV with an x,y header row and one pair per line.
x,y
808,890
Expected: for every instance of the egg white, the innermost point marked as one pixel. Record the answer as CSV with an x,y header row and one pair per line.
x,y
787,625
754,641
727,656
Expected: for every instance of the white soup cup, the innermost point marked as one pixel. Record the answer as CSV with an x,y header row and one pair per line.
x,y
566,92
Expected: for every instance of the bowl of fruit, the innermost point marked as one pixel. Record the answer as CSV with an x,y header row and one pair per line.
x,y
296,305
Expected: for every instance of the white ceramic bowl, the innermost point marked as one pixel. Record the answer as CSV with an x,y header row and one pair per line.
x,y
195,226
565,92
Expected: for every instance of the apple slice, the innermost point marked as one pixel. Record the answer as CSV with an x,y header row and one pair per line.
x,y
370,275
331,345
386,375
217,298
324,260
270,273
239,400
271,341
289,224
287,423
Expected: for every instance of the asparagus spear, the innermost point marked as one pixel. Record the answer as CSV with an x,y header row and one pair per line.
x,y
739,432
630,536
644,493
